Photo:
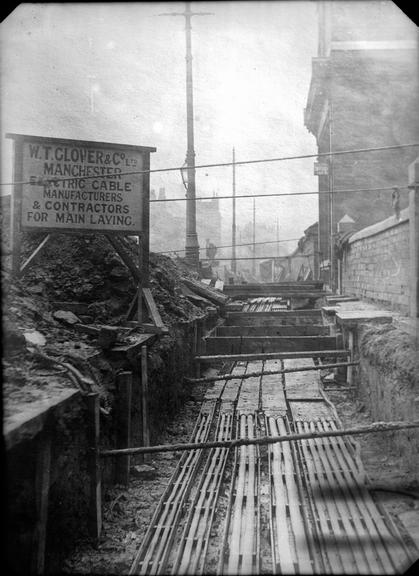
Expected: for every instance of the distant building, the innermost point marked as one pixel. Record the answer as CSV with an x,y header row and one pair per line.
x,y
363,94
301,264
167,224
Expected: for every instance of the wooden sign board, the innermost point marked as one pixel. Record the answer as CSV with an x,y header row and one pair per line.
x,y
73,185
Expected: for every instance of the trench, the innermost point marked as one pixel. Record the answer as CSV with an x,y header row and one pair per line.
x,y
298,508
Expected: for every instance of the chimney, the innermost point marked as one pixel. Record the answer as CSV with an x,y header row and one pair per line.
x,y
346,224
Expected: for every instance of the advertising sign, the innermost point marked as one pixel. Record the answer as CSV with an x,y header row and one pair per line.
x,y
321,169
77,185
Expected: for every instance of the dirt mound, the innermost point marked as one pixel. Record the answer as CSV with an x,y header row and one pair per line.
x,y
84,276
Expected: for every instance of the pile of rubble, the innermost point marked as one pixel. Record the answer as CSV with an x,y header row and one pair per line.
x,y
60,319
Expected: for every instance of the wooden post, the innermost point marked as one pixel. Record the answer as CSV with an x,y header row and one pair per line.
x,y
124,399
95,504
144,396
16,206
195,338
140,281
42,485
414,248
350,370
144,266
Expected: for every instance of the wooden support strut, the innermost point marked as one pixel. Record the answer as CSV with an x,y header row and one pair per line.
x,y
95,504
42,482
124,388
374,427
268,372
272,355
144,396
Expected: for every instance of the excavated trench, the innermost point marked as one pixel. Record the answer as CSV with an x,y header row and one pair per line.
x,y
200,503
96,296
54,353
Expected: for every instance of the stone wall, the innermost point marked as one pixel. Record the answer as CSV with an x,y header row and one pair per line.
x,y
375,263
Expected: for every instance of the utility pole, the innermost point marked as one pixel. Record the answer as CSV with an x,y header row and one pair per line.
x,y
254,238
191,243
233,229
277,236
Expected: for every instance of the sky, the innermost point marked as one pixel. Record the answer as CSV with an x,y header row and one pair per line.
x,y
115,72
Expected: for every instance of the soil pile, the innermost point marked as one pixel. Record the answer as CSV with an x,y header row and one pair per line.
x,y
76,280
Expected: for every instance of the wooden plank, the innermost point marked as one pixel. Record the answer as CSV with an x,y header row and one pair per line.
x,y
140,281
123,440
273,355
272,289
152,308
16,205
35,255
284,293
273,318
414,250
250,344
144,396
132,348
27,424
42,486
144,239
277,314
122,251
207,292
288,330
354,317
95,499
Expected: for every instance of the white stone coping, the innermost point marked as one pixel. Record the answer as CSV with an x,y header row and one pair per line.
x,y
380,226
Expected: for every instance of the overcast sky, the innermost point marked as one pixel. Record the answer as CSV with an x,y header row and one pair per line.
x,y
115,72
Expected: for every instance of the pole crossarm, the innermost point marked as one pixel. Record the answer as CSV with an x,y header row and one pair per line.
x,y
267,372
374,427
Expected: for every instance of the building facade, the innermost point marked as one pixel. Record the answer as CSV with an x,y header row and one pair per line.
x,y
363,94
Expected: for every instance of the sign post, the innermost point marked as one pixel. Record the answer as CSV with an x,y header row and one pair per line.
x,y
414,247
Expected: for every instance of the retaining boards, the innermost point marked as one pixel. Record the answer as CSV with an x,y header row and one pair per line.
x,y
249,344
293,330
285,289
280,318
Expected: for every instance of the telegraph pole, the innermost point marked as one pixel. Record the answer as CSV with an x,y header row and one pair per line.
x,y
191,242
233,230
254,238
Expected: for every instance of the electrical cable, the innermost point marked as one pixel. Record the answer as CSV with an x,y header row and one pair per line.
x,y
274,194
224,164
231,245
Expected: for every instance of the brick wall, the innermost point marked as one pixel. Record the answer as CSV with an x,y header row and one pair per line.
x,y
375,263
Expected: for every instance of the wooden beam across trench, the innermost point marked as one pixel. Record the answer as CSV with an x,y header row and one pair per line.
x,y
249,344
292,330
277,318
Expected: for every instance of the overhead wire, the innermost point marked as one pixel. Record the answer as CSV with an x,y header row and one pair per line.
x,y
223,164
274,194
231,245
